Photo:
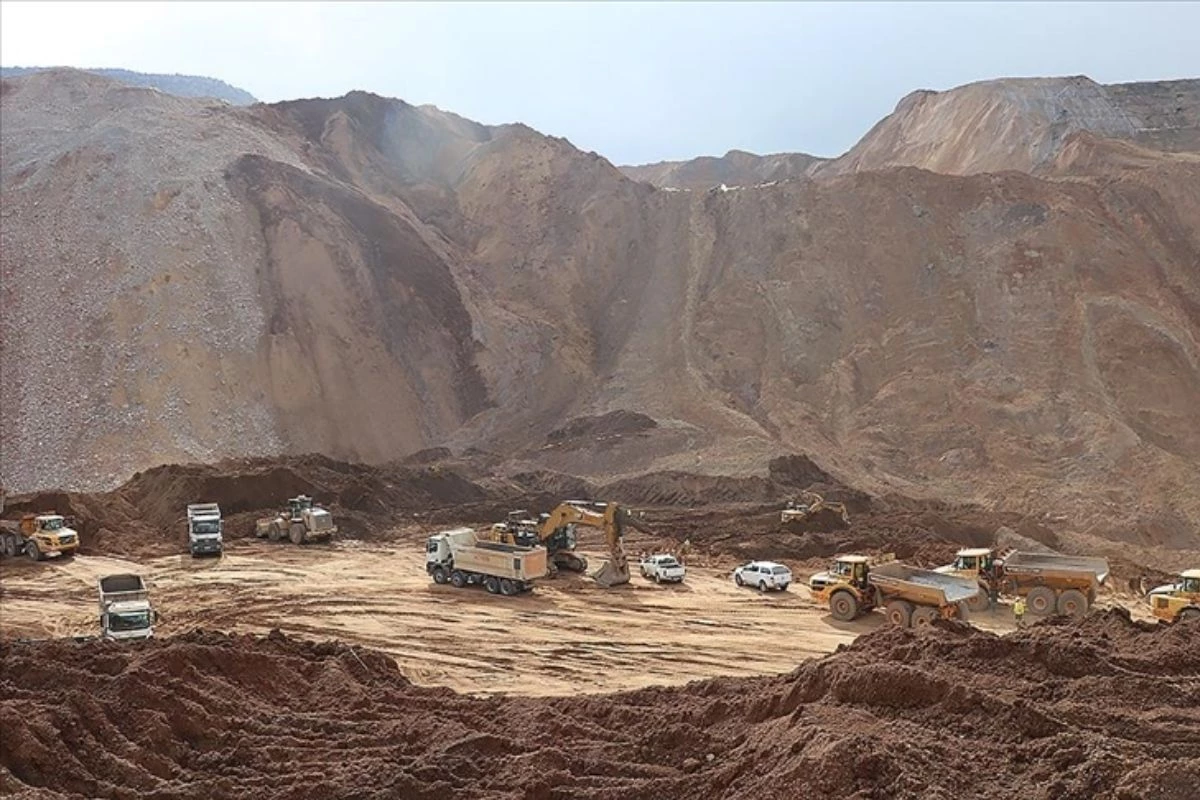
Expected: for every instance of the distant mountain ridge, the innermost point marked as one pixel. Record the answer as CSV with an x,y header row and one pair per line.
x,y
178,85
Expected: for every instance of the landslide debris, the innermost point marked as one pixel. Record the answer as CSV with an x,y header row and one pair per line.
x,y
1099,708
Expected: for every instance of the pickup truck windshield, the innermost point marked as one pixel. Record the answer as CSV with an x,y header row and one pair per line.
x,y
668,562
129,621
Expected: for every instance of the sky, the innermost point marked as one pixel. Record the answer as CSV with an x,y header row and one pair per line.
x,y
635,82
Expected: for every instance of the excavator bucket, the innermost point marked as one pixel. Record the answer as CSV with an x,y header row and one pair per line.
x,y
611,575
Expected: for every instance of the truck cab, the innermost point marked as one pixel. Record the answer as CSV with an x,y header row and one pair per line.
x,y
970,563
851,569
1177,601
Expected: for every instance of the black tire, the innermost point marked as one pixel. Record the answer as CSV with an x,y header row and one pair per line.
x,y
962,611
1072,603
843,606
458,579
31,550
762,586
924,616
296,533
783,588
1188,614
738,580
492,584
439,575
979,602
274,533
899,613
1041,601
8,545
658,578
508,588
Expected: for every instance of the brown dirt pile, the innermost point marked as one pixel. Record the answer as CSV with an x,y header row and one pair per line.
x,y
1105,708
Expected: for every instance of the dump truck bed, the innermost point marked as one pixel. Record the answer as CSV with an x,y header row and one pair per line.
x,y
1053,564
503,561
921,586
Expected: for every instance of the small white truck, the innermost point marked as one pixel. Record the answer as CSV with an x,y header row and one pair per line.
x,y
459,557
204,529
663,568
125,611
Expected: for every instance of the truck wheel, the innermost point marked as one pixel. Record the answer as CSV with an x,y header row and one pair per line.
x,y
899,613
658,578
843,606
1041,601
457,579
762,586
979,602
507,587
738,580
32,551
296,534
1189,614
273,532
1072,603
492,584
923,617
963,611
8,545
439,575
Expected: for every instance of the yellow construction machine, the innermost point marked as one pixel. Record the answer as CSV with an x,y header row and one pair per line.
x,y
809,506
1177,601
556,532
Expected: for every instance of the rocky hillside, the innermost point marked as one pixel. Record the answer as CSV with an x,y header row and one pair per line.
x,y
179,85
366,278
735,168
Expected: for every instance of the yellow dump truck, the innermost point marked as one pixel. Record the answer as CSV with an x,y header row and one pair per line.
x,y
461,558
39,536
1177,601
1050,583
910,597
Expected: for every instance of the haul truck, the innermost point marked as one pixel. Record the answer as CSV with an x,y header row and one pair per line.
x,y
910,597
125,611
39,536
1049,582
460,558
1177,601
204,529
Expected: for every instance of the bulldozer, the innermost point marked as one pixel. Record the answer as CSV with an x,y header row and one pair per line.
x,y
810,506
301,521
556,532
1177,601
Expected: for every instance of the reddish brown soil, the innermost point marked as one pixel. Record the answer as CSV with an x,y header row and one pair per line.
x,y
1105,708
722,516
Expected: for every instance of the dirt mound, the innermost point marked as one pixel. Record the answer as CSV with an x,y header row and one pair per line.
x,y
1099,708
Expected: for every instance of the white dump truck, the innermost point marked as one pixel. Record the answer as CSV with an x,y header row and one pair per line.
x,y
204,528
459,557
125,611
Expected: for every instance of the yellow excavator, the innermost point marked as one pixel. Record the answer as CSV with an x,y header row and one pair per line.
x,y
556,532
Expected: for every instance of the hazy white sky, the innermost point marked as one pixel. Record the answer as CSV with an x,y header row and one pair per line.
x,y
635,82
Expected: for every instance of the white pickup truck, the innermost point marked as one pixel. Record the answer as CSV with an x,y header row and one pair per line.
x,y
663,569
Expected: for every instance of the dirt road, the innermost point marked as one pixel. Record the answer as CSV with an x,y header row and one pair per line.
x,y
568,636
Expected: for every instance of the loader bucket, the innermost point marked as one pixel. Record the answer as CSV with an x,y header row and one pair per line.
x,y
611,575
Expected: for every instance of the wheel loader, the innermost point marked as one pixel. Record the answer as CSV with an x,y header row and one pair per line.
x,y
301,521
1177,601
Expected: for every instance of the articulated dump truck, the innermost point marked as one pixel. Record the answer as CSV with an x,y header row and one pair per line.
x,y
909,596
459,557
38,536
1050,583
